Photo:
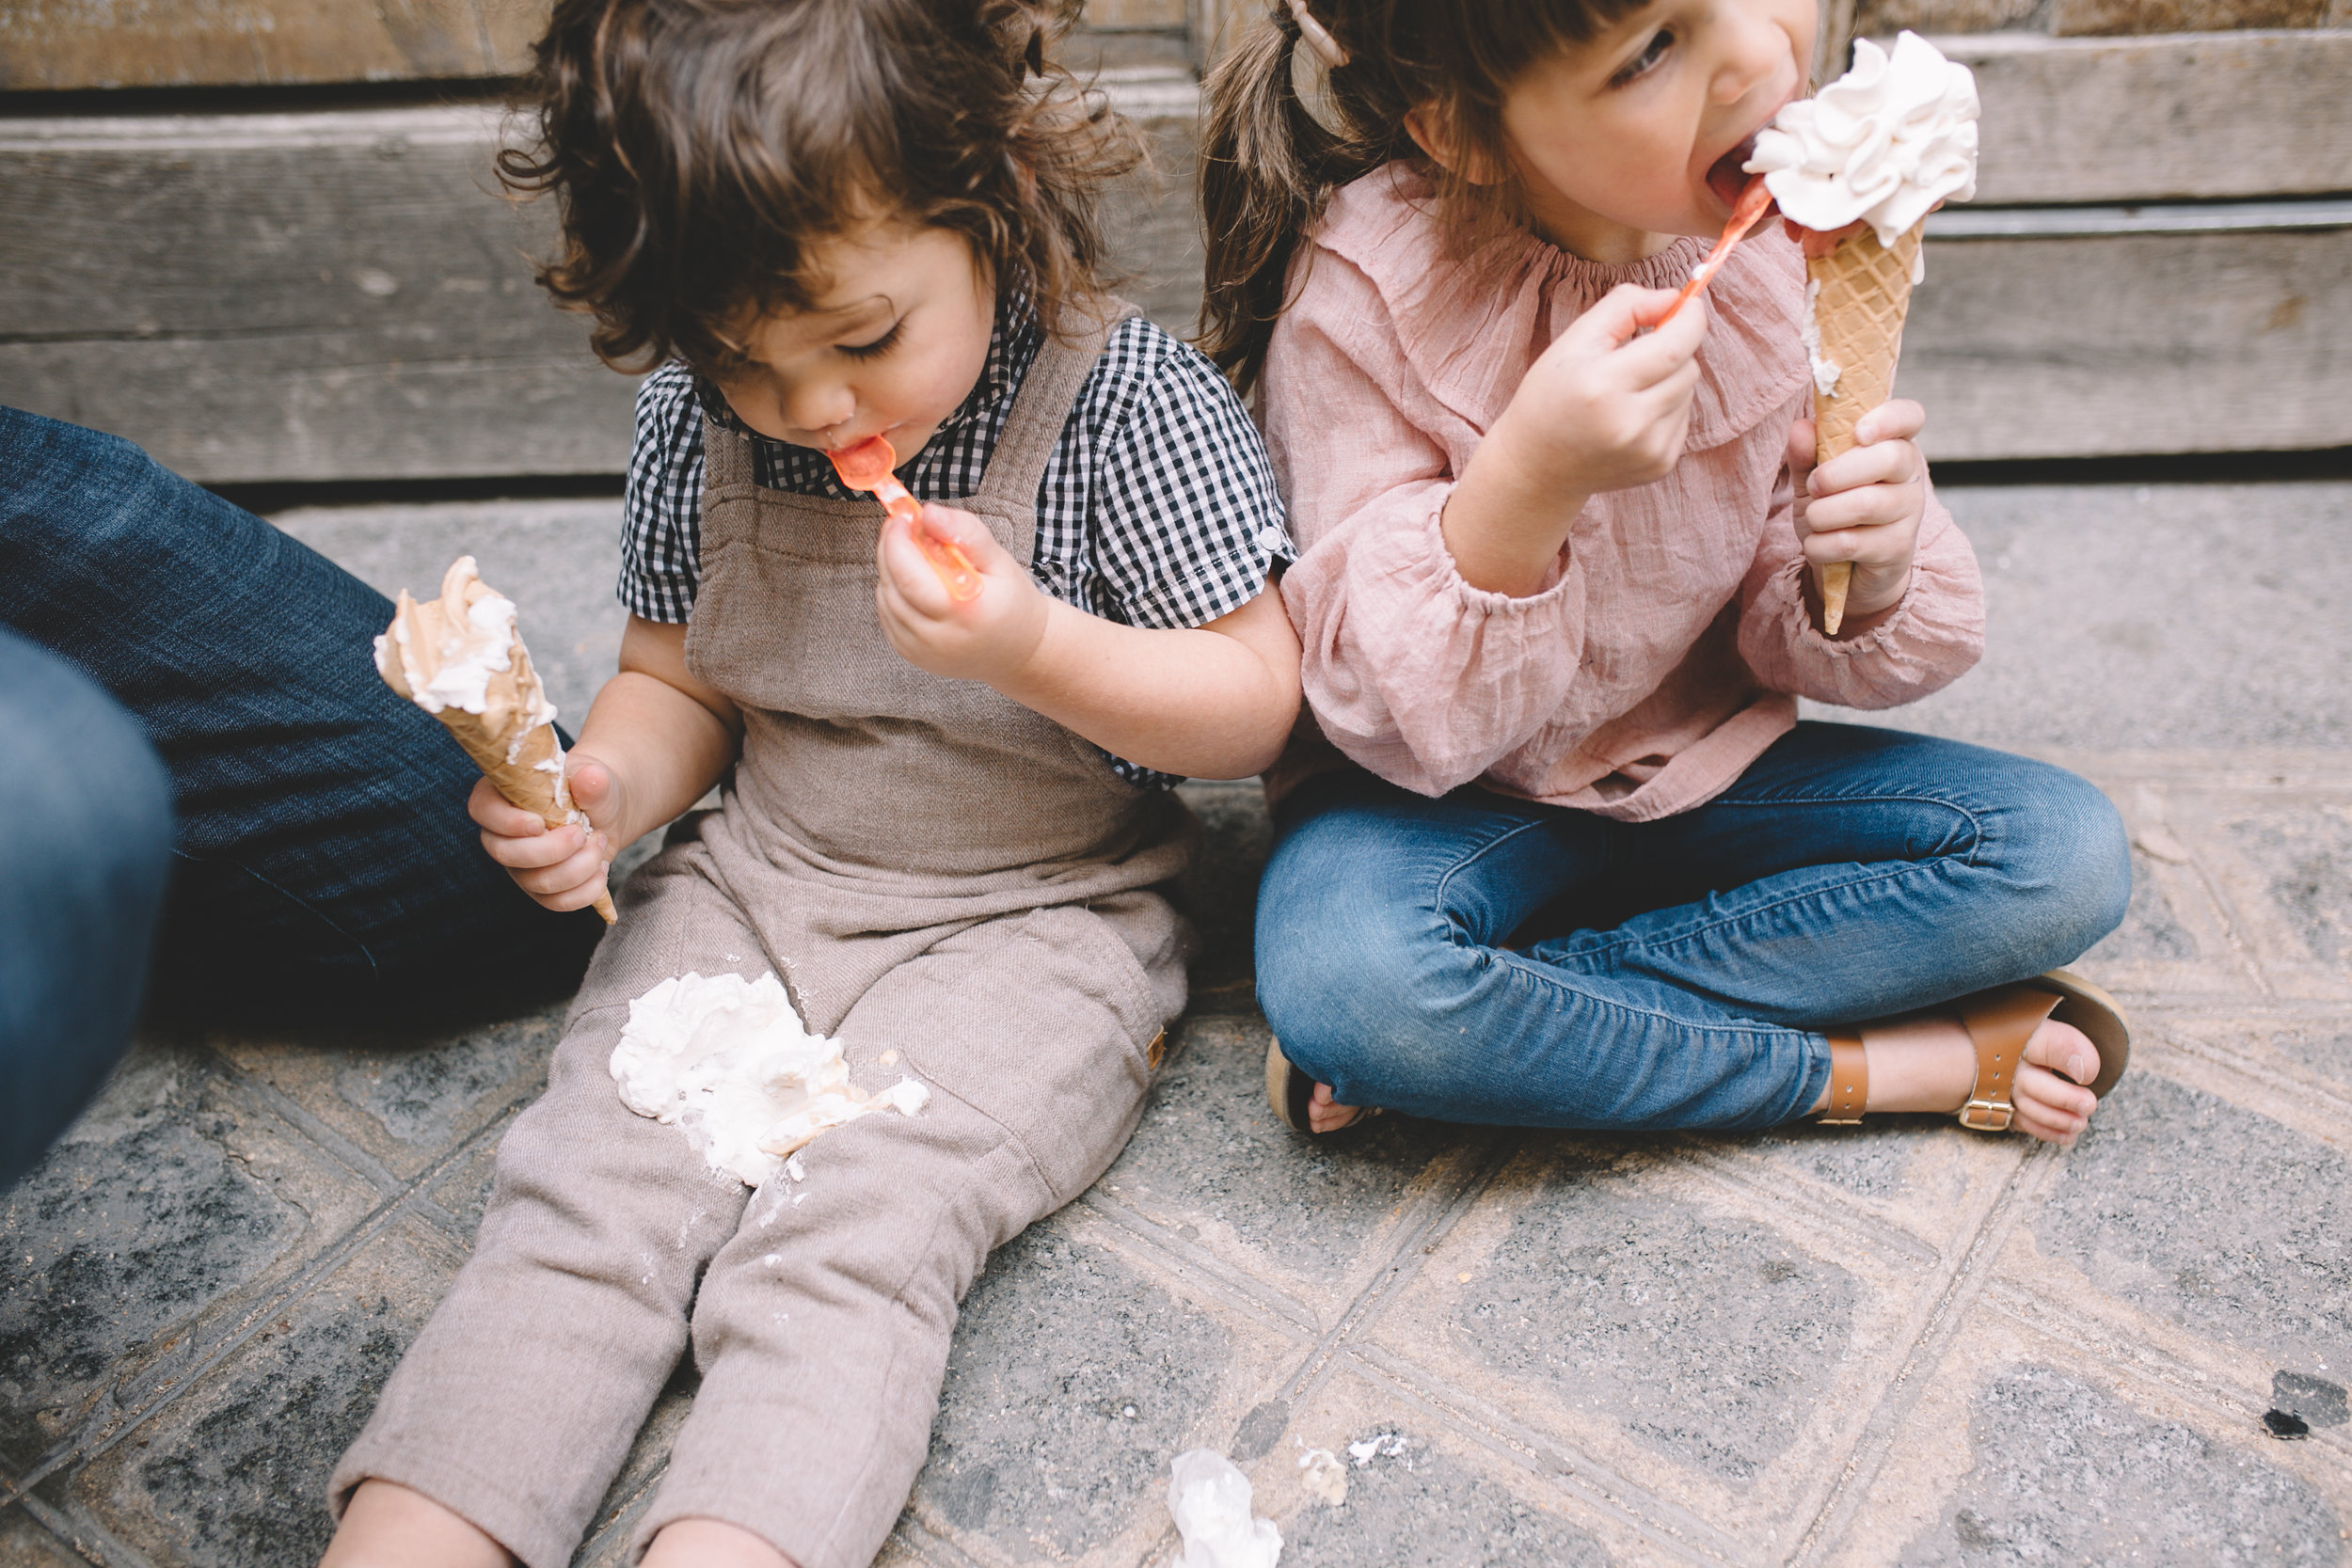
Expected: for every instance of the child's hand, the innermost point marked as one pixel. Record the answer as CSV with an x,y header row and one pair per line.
x,y
1601,409
1607,410
563,868
1865,504
982,639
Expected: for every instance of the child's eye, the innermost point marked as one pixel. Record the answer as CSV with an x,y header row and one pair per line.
x,y
879,347
1651,54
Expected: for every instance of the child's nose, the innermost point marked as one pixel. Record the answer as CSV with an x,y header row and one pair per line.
x,y
819,408
1754,50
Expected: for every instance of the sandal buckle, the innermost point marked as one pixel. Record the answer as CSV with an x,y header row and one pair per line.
x,y
1987,1115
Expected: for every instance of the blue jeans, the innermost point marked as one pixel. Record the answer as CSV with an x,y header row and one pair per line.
x,y
1482,960
322,855
84,843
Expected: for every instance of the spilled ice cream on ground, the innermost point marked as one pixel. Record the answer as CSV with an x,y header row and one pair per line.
x,y
727,1061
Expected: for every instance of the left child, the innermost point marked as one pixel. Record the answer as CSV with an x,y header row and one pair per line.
x,y
947,822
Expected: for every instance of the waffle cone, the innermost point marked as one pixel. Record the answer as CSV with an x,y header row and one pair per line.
x,y
514,747
1864,294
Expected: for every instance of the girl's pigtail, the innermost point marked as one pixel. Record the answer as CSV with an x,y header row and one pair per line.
x,y
1266,167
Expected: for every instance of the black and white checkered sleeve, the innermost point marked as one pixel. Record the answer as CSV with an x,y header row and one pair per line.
x,y
1182,519
661,506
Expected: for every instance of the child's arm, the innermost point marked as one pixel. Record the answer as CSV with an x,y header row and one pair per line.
x,y
656,739
1216,701
1600,409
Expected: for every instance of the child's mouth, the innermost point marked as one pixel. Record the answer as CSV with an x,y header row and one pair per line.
x,y
1726,176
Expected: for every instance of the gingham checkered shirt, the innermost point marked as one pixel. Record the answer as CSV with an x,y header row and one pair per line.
x,y
1157,509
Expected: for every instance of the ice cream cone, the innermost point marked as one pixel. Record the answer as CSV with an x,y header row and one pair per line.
x,y
1861,292
460,659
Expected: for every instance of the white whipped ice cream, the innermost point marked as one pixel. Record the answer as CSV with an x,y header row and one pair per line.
x,y
468,651
726,1060
1881,145
1825,371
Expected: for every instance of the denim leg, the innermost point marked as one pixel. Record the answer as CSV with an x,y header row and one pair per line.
x,y
1381,921
325,849
1854,872
84,844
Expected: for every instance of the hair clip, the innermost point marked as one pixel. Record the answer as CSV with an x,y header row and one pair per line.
x,y
1317,37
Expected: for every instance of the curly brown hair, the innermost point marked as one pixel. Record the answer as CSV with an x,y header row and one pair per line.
x,y
1268,161
701,152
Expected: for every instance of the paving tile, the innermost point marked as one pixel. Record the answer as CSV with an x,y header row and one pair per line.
x,y
406,1100
2283,861
1712,1347
2320,1047
234,1471
1918,1176
1212,1164
1074,1379
25,1543
2213,1217
464,1189
2068,1473
1410,1502
171,1201
1706,1336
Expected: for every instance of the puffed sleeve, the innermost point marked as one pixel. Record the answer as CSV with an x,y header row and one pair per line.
x,y
1935,633
1411,672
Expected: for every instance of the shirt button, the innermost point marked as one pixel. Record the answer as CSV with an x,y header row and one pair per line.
x,y
1270,540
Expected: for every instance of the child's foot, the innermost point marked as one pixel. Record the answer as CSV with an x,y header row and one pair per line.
x,y
389,1525
709,1543
1326,1115
1926,1062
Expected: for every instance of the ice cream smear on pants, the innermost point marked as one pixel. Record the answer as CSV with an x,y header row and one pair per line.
x,y
1208,1498
727,1061
1881,145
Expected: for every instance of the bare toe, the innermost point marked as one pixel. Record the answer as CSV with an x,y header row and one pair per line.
x,y
2062,1048
1326,1115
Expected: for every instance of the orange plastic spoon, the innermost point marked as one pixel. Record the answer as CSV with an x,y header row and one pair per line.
x,y
1753,201
868,465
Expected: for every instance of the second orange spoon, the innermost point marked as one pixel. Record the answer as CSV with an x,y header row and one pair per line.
x,y
870,466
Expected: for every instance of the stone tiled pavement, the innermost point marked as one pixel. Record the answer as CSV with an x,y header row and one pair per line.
x,y
1898,1344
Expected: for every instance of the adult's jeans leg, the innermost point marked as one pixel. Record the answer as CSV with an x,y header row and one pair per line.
x,y
84,844
1382,966
325,849
1854,872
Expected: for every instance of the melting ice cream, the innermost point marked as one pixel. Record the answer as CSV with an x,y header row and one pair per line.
x,y
727,1061
1881,145
451,651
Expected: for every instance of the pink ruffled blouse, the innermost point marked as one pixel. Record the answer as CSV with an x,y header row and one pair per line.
x,y
1669,647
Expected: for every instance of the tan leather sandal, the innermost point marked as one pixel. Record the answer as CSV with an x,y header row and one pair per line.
x,y
1289,1091
2000,1021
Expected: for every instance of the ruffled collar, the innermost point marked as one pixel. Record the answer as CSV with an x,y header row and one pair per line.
x,y
1469,325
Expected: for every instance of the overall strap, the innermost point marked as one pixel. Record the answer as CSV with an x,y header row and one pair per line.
x,y
1040,410
726,455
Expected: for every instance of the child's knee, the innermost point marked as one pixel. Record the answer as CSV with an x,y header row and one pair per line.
x,y
2081,862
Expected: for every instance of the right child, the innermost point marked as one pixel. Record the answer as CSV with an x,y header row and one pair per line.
x,y
1556,850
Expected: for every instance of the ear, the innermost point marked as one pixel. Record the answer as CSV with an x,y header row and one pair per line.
x,y
1426,124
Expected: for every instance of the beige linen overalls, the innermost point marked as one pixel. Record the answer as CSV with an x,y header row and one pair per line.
x,y
934,871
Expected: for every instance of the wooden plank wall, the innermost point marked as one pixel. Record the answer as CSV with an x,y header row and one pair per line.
x,y
339,292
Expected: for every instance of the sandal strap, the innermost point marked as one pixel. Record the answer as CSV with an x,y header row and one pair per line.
x,y
2000,1023
1849,1079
